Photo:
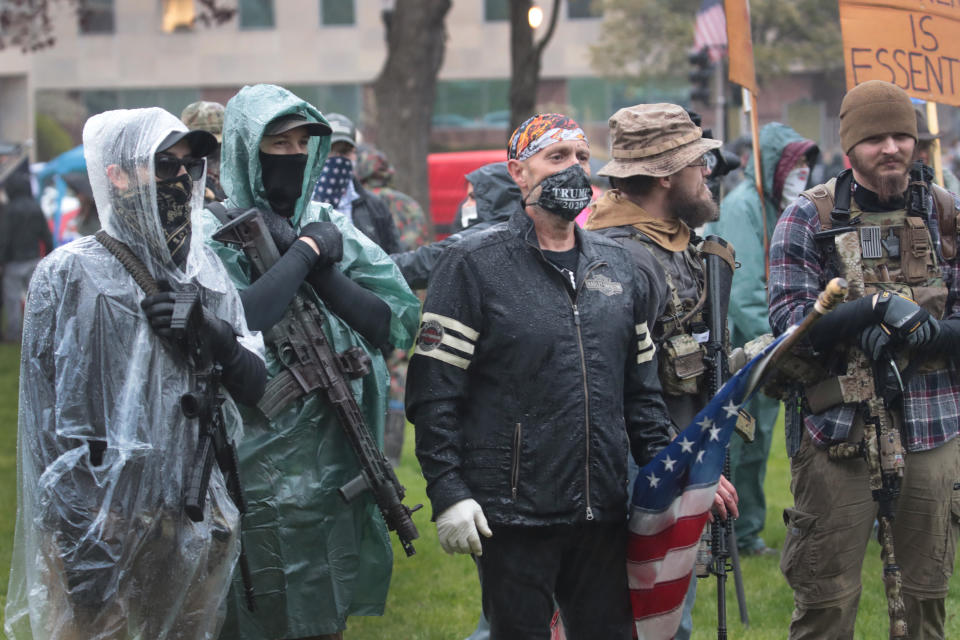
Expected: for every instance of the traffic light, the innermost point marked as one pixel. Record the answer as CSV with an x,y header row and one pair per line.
x,y
700,76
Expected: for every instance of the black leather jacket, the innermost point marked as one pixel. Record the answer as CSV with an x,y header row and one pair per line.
x,y
528,394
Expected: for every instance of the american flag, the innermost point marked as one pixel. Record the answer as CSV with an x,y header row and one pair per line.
x,y
672,496
710,29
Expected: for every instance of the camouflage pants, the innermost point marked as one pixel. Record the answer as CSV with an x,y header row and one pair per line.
x,y
830,524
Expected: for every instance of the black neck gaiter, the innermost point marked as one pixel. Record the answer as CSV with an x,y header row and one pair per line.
x,y
283,180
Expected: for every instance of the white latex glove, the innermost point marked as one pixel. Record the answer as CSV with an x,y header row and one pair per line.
x,y
457,528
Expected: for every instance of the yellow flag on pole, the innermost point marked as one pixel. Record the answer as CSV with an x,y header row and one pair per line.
x,y
740,44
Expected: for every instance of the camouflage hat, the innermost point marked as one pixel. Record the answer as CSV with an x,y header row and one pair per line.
x,y
655,140
206,116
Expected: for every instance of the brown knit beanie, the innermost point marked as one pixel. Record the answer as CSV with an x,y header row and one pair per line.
x,y
875,108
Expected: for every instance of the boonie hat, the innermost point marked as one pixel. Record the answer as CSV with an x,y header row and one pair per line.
x,y
343,128
655,140
206,116
923,129
282,124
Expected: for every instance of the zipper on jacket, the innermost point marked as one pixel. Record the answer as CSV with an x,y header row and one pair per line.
x,y
515,467
586,389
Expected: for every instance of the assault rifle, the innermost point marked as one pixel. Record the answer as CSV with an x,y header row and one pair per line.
x,y
203,403
310,364
719,259
881,447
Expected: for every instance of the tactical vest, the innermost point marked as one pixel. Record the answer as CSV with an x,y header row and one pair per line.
x,y
681,328
896,253
896,250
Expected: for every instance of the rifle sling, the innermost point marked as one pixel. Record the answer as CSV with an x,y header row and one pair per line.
x,y
134,266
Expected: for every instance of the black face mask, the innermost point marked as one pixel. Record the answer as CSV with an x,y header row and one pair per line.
x,y
283,180
565,193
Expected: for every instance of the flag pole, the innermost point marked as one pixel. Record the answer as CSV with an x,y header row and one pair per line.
x,y
934,125
829,298
750,107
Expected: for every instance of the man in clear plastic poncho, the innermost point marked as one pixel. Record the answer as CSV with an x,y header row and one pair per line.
x,y
314,559
103,549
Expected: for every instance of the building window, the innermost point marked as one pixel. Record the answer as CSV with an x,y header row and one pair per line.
x,y
333,98
256,14
577,9
496,10
178,16
96,16
337,13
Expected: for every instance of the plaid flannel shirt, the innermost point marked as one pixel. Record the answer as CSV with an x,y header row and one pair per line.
x,y
931,405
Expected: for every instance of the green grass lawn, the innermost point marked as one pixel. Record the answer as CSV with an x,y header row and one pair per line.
x,y
437,597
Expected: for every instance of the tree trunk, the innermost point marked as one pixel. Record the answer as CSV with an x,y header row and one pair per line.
x,y
406,88
525,58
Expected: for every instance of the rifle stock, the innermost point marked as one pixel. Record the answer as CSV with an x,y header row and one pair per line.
x,y
310,364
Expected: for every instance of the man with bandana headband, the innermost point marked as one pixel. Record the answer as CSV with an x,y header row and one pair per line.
x,y
899,334
787,159
534,374
315,560
104,548
659,195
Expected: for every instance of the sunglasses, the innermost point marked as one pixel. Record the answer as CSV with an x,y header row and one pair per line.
x,y
167,166
702,161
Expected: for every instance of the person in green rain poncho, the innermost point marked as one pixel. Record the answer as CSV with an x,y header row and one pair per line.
x,y
315,560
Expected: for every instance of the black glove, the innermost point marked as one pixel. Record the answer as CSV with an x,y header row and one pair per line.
x,y
159,309
905,320
329,241
873,340
210,329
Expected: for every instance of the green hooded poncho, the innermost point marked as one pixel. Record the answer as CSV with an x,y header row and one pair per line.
x,y
741,224
315,560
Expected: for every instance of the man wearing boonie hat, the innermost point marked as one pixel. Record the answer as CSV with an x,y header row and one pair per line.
x,y
658,172
533,374
906,254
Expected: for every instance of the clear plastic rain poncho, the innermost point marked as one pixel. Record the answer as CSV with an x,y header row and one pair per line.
x,y
315,560
103,549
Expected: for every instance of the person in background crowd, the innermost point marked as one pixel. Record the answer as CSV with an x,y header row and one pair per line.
x,y
338,186
787,158
492,197
925,146
375,174
208,116
24,238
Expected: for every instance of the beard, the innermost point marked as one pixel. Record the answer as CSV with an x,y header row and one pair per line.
x,y
889,184
692,207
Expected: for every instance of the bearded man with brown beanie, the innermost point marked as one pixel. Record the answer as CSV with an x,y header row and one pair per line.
x,y
898,255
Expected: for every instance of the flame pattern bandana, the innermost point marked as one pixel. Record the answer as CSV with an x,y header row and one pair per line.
x,y
539,132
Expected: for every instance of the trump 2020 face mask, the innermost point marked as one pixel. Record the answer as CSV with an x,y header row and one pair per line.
x,y
565,193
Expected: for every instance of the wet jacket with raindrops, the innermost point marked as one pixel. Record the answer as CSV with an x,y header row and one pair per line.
x,y
528,394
